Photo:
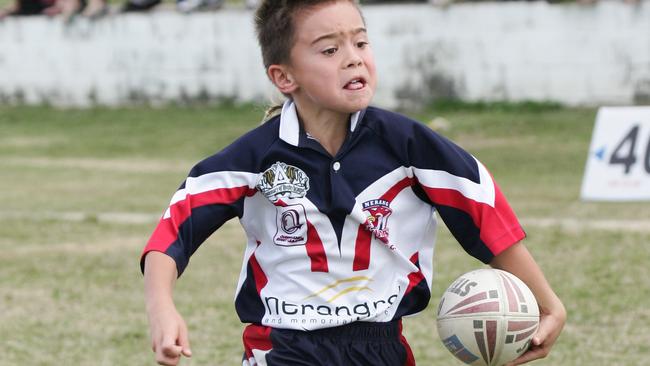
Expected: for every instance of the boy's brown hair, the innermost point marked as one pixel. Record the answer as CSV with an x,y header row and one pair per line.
x,y
274,24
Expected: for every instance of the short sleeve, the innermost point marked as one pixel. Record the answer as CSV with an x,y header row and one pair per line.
x,y
465,195
208,197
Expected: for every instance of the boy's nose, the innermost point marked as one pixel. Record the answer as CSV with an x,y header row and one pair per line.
x,y
354,63
354,60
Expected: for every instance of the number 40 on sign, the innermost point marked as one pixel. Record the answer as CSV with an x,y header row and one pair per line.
x,y
618,165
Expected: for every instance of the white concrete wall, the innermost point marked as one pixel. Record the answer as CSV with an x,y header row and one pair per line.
x,y
574,54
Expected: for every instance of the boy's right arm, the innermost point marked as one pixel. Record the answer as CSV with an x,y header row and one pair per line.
x,y
168,331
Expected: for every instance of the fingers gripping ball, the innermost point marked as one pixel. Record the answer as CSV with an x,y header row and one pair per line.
x,y
487,317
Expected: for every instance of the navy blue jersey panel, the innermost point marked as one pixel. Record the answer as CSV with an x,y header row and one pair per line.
x,y
415,301
369,162
204,221
466,233
248,303
341,199
244,154
416,145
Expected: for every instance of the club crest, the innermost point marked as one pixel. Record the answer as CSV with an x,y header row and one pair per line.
x,y
378,212
283,181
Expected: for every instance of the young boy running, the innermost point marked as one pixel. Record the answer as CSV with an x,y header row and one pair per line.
x,y
339,202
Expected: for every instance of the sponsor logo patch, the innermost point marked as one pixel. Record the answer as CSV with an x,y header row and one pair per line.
x,y
329,306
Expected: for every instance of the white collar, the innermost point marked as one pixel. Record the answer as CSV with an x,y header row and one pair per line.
x,y
290,126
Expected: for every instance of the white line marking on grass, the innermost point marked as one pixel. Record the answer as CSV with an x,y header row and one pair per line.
x,y
72,216
573,224
114,165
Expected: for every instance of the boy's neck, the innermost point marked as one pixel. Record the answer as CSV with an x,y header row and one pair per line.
x,y
328,127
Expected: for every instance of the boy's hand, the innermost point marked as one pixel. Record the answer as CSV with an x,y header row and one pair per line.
x,y
167,328
550,326
518,261
169,338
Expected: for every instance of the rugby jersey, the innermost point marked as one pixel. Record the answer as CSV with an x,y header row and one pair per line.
x,y
336,239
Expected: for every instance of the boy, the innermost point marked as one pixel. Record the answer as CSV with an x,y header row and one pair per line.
x,y
339,202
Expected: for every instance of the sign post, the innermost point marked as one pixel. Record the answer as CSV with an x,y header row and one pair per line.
x,y
618,165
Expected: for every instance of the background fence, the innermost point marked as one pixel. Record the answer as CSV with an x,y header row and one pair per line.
x,y
575,54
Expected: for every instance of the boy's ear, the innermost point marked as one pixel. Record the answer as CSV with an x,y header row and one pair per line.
x,y
281,77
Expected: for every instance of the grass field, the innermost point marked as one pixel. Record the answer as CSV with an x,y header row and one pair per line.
x,y
81,190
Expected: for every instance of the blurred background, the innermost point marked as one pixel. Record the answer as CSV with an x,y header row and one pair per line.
x,y
106,105
573,53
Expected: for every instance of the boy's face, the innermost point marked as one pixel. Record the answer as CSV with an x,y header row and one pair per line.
x,y
332,64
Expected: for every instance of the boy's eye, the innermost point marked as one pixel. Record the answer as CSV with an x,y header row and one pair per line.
x,y
362,44
330,51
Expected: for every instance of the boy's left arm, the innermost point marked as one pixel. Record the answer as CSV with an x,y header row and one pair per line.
x,y
518,261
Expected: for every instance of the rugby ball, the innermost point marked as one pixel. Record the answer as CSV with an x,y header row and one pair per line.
x,y
487,317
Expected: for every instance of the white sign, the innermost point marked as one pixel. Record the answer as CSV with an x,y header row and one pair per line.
x,y
618,165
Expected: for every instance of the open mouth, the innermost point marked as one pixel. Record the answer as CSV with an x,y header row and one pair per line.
x,y
355,84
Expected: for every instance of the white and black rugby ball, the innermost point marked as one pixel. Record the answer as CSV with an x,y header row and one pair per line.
x,y
487,317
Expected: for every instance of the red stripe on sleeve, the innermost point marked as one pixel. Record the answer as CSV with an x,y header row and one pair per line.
x,y
167,230
498,225
164,234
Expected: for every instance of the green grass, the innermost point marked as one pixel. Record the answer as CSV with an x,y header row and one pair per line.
x,y
71,291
